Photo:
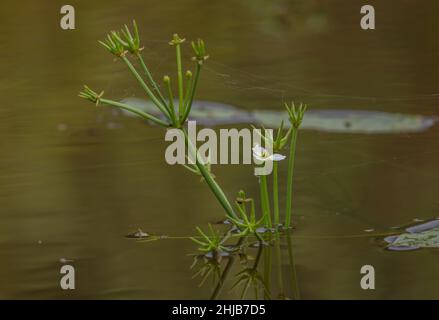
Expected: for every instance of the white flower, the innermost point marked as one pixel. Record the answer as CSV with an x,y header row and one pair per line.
x,y
261,154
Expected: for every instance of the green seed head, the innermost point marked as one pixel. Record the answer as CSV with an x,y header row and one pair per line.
x,y
131,39
200,51
296,114
176,40
91,95
114,44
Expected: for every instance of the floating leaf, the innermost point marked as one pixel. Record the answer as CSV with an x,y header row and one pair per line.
x,y
208,113
425,235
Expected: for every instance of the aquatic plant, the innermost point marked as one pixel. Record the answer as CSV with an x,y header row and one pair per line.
x,y
296,115
120,44
424,235
277,145
247,224
261,154
173,113
213,243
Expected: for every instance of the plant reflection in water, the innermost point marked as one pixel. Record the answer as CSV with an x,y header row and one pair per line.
x,y
253,259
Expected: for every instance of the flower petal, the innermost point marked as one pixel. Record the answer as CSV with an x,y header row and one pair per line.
x,y
258,150
277,157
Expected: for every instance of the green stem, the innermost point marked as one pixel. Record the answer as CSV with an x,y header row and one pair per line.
x,y
150,79
171,103
180,80
265,202
148,91
188,105
134,110
275,194
252,211
217,191
293,143
186,98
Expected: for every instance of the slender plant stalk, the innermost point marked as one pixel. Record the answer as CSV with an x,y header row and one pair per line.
x,y
293,144
216,189
265,202
133,110
167,81
188,105
180,80
150,79
119,43
275,193
148,91
186,96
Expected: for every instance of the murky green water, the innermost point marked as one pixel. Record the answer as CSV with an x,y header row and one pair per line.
x,y
74,179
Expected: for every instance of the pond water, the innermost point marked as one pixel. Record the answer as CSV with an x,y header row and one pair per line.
x,y
75,179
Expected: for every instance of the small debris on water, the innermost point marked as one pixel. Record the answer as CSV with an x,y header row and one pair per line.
x,y
139,234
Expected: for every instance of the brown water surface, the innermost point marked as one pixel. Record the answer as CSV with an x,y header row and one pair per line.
x,y
74,179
